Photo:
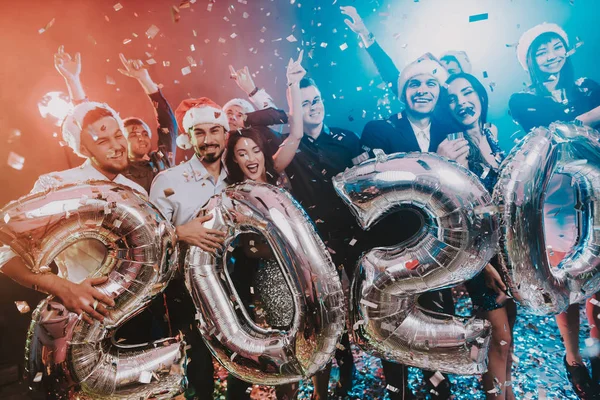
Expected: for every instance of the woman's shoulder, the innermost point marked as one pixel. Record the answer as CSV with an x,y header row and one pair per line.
x,y
587,85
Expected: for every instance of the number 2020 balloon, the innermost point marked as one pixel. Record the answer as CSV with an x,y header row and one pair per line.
x,y
459,238
254,354
521,192
72,358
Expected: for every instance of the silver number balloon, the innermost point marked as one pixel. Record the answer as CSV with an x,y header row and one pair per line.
x,y
458,239
521,193
254,354
70,357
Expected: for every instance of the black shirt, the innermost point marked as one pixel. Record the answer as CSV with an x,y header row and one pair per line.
x,y
531,110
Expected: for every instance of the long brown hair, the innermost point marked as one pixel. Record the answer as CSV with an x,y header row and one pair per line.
x,y
235,173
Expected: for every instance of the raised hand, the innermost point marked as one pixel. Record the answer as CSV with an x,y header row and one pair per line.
x,y
295,71
133,68
243,78
356,25
456,150
69,67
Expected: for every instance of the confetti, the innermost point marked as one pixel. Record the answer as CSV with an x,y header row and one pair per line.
x,y
152,32
48,26
478,17
233,35
15,161
186,71
145,377
126,41
110,80
14,135
291,39
175,16
343,47
192,48
117,6
38,377
151,61
22,306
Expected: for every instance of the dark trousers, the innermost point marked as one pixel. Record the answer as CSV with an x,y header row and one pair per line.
x,y
200,367
396,375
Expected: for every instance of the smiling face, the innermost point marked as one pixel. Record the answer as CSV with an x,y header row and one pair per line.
x,y
550,56
422,93
139,141
235,116
251,159
464,102
106,146
208,141
313,110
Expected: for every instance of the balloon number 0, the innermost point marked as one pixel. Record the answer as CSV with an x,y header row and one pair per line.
x,y
458,239
67,355
521,191
254,354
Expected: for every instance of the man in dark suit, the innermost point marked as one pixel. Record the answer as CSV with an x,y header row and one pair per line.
x,y
421,127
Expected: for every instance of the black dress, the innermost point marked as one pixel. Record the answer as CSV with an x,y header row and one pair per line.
x,y
483,297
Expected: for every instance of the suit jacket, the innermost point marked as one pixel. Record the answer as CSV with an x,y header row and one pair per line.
x,y
396,135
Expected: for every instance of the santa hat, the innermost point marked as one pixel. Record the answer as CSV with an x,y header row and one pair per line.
x,y
461,58
73,123
192,112
528,38
129,121
423,65
245,105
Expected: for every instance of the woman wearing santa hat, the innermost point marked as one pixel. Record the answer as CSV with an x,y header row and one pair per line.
x,y
556,95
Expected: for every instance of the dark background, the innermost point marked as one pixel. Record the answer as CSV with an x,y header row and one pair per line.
x,y
348,80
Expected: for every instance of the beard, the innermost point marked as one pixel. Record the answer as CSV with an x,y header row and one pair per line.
x,y
209,157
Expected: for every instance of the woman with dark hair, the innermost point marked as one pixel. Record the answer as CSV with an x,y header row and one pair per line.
x,y
555,95
467,102
249,157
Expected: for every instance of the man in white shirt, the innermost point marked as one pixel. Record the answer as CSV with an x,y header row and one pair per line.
x,y
180,193
94,131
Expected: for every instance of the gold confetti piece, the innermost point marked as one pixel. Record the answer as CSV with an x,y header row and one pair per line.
x,y
15,161
353,242
126,41
22,306
191,61
291,39
184,4
192,48
166,63
186,71
323,44
152,32
209,7
245,15
48,26
6,218
151,61
106,18
14,135
263,29
221,40
117,6
194,32
343,47
38,377
110,80
175,16
233,35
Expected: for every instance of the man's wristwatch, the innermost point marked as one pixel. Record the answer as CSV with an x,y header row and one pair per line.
x,y
252,93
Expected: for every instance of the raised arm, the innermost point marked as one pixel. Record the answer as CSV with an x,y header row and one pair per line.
x,y
259,97
287,150
165,117
70,69
386,67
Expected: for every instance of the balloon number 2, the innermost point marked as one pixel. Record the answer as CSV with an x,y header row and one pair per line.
x,y
458,238
67,355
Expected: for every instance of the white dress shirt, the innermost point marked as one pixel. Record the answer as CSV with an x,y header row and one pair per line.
x,y
423,136
84,172
180,192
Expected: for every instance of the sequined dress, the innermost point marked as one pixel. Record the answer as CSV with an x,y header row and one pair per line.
x,y
274,293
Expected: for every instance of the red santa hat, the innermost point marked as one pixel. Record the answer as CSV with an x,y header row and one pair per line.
x,y
192,112
72,126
